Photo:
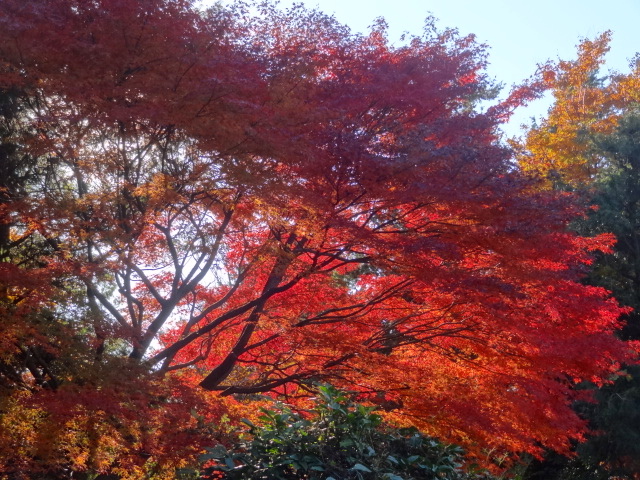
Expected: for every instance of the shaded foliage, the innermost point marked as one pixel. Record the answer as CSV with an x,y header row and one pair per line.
x,y
337,439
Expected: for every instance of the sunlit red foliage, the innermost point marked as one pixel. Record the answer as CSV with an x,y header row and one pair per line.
x,y
255,201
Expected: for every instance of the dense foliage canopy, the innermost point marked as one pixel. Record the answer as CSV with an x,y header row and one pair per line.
x,y
587,103
590,144
198,207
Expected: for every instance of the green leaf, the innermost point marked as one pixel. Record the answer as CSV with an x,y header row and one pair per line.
x,y
216,452
246,421
445,468
360,467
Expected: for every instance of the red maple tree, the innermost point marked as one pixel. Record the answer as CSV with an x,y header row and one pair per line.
x,y
256,201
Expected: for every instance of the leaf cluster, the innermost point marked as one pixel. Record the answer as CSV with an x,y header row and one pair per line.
x,y
613,190
337,439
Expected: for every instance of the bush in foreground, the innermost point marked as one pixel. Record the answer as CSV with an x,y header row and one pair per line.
x,y
338,439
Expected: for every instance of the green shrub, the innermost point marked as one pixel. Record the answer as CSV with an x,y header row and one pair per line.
x,y
339,440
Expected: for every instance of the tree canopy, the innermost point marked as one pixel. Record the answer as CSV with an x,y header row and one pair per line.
x,y
246,200
587,103
589,144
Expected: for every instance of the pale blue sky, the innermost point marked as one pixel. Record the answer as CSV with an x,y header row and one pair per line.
x,y
520,34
